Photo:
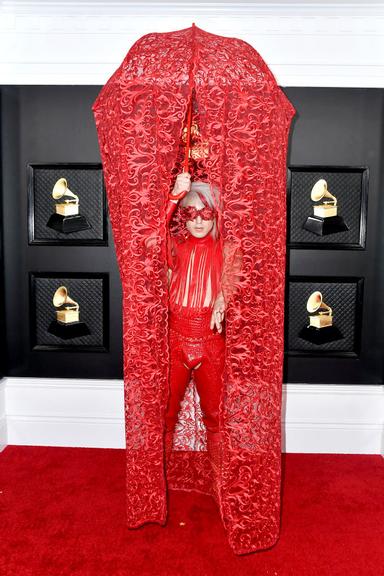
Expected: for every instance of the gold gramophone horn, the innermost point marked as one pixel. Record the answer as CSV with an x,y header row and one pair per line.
x,y
62,192
61,298
315,303
320,191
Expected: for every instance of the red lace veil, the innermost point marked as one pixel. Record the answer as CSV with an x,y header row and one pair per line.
x,y
244,118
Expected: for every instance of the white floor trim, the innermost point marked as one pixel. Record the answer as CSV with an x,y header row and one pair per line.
x,y
339,419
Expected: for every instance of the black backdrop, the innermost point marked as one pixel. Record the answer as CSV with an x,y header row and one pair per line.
x,y
54,125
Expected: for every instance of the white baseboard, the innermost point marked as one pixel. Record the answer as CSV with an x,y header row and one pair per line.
x,y
333,419
65,412
339,419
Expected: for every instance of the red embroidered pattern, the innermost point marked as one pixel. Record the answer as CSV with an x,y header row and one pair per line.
x,y
244,120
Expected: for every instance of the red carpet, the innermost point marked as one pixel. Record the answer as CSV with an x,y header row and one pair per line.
x,y
62,513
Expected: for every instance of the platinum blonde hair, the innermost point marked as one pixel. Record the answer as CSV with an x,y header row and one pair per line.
x,y
212,196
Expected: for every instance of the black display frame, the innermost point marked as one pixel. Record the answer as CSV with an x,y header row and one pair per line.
x,y
104,277
62,166
364,170
358,319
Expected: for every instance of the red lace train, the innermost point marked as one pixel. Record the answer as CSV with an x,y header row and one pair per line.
x,y
244,120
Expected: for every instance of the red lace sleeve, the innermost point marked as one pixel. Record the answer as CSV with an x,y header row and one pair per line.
x,y
232,270
171,207
170,210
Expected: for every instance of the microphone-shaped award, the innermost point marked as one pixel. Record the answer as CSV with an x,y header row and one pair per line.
x,y
325,219
67,324
320,329
66,218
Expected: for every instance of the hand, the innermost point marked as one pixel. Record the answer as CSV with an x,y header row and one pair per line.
x,y
183,183
218,314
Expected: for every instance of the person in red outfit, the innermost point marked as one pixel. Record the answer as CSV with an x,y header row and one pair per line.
x,y
196,309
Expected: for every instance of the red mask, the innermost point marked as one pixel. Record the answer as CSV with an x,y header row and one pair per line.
x,y
191,213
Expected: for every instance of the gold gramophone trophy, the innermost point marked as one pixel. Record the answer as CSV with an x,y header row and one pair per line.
x,y
325,219
67,324
66,218
320,329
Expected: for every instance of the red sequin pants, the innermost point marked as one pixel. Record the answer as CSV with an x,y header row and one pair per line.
x,y
195,346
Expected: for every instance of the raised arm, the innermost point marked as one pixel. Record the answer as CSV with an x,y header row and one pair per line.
x,y
171,207
181,188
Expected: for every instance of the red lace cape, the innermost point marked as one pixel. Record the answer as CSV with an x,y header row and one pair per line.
x,y
245,117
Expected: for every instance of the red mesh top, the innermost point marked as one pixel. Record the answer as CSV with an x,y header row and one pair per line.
x,y
196,273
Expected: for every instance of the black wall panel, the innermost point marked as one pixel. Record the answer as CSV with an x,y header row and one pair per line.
x,y
55,125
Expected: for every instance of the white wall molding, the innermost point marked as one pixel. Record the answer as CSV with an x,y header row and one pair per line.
x,y
3,421
304,43
90,413
342,419
65,412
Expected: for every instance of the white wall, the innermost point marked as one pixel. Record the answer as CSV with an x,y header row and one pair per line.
x,y
305,43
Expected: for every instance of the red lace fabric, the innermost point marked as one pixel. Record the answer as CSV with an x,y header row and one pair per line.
x,y
244,118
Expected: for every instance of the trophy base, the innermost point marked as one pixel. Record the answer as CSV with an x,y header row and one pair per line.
x,y
320,335
68,331
324,226
68,224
